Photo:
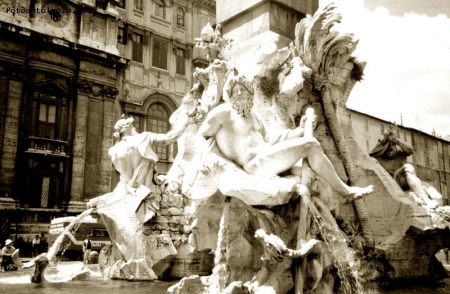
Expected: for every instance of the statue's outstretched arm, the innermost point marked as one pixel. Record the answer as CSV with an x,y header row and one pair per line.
x,y
173,135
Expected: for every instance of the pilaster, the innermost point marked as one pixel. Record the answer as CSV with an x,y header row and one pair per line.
x,y
107,141
11,136
79,143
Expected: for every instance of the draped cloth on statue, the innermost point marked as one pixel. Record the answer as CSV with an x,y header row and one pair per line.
x,y
135,160
211,171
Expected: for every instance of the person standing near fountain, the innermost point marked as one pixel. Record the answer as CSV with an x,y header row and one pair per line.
x,y
242,137
35,244
87,247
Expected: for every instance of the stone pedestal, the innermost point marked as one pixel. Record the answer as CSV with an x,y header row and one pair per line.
x,y
260,26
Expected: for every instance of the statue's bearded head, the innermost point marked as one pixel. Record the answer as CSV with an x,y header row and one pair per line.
x,y
240,93
124,126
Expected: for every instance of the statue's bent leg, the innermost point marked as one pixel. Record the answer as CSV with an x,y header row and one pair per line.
x,y
283,155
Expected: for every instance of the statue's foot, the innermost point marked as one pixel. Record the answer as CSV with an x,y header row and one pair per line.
x,y
356,193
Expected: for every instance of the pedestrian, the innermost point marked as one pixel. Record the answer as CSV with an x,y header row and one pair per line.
x,y
35,244
86,249
446,254
7,263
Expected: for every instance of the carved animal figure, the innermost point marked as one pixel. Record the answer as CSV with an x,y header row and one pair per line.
x,y
40,264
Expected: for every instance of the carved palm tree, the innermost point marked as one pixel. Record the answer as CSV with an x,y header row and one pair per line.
x,y
327,51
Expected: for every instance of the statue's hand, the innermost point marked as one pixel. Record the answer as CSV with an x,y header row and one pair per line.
x,y
303,121
314,123
210,163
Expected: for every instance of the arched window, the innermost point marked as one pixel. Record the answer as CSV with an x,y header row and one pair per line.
x,y
160,8
158,122
180,17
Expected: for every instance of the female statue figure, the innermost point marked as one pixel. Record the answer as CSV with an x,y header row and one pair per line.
x,y
134,158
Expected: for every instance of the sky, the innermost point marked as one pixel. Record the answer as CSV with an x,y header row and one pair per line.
x,y
406,44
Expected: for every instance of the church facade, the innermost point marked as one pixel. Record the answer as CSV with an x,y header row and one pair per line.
x,y
68,70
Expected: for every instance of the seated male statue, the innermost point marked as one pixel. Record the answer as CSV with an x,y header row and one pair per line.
x,y
242,138
392,152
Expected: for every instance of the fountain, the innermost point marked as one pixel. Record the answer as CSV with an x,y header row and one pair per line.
x,y
227,225
56,246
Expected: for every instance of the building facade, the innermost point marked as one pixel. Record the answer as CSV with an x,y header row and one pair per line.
x,y
68,70
431,158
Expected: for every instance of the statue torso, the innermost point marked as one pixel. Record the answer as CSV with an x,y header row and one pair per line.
x,y
240,138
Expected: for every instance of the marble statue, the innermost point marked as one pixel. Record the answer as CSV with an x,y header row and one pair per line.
x,y
135,201
253,180
392,152
211,39
241,136
134,158
40,264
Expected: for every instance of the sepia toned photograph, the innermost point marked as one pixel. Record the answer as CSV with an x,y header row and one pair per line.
x,y
225,146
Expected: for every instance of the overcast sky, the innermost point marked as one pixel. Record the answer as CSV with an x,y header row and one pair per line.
x,y
406,44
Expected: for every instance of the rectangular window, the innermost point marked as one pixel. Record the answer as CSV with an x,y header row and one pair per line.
x,y
441,161
99,233
159,126
159,55
101,4
46,126
121,35
138,5
382,128
160,8
405,137
138,45
444,193
427,160
366,124
45,192
181,61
